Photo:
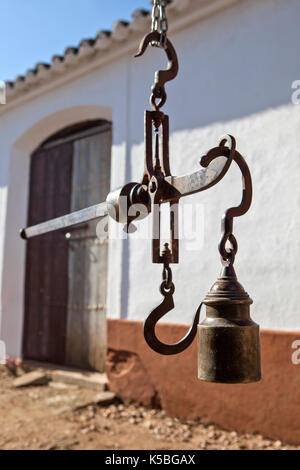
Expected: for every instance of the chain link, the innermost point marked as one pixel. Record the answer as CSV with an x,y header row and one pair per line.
x,y
160,21
167,276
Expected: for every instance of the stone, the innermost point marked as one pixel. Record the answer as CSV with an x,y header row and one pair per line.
x,y
60,385
93,380
30,379
148,424
62,410
103,398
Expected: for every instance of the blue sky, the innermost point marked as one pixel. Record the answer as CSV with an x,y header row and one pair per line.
x,y
32,31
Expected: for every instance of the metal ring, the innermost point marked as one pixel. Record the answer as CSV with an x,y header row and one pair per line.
x,y
225,253
234,243
229,255
162,98
165,290
229,260
167,277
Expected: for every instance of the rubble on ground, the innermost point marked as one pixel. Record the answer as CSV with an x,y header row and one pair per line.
x,y
62,416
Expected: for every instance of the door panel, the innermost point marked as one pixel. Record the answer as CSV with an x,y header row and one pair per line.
x,y
86,341
65,286
46,284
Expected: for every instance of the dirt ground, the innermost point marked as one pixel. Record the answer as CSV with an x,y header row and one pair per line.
x,y
64,417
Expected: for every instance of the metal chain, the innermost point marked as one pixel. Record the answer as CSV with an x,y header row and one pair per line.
x,y
167,276
228,254
167,272
160,21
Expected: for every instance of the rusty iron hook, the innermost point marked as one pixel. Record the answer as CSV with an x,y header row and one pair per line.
x,y
161,76
241,209
156,314
167,288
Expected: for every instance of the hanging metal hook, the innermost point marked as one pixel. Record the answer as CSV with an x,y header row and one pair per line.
x,y
167,287
161,76
156,314
241,209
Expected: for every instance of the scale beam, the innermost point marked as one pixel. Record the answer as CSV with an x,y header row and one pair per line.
x,y
177,187
66,221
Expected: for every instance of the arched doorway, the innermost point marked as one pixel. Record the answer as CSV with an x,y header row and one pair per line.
x,y
65,282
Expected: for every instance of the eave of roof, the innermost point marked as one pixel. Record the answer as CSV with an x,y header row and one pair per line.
x,y
106,46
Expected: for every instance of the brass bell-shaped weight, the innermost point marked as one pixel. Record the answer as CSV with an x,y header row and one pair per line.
x,y
228,339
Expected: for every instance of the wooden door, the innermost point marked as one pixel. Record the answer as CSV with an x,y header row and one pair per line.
x,y
46,284
65,287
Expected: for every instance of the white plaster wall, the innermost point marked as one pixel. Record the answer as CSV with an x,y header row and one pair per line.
x,y
21,131
236,70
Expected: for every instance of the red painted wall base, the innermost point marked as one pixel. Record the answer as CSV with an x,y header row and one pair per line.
x,y
270,407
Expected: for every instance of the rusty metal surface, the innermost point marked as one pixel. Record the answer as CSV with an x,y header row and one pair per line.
x,y
162,190
69,220
227,219
161,76
216,163
167,290
228,339
229,349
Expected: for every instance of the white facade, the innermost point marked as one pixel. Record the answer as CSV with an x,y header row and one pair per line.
x,y
237,66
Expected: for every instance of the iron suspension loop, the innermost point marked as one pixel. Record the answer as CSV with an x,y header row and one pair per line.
x,y
228,255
